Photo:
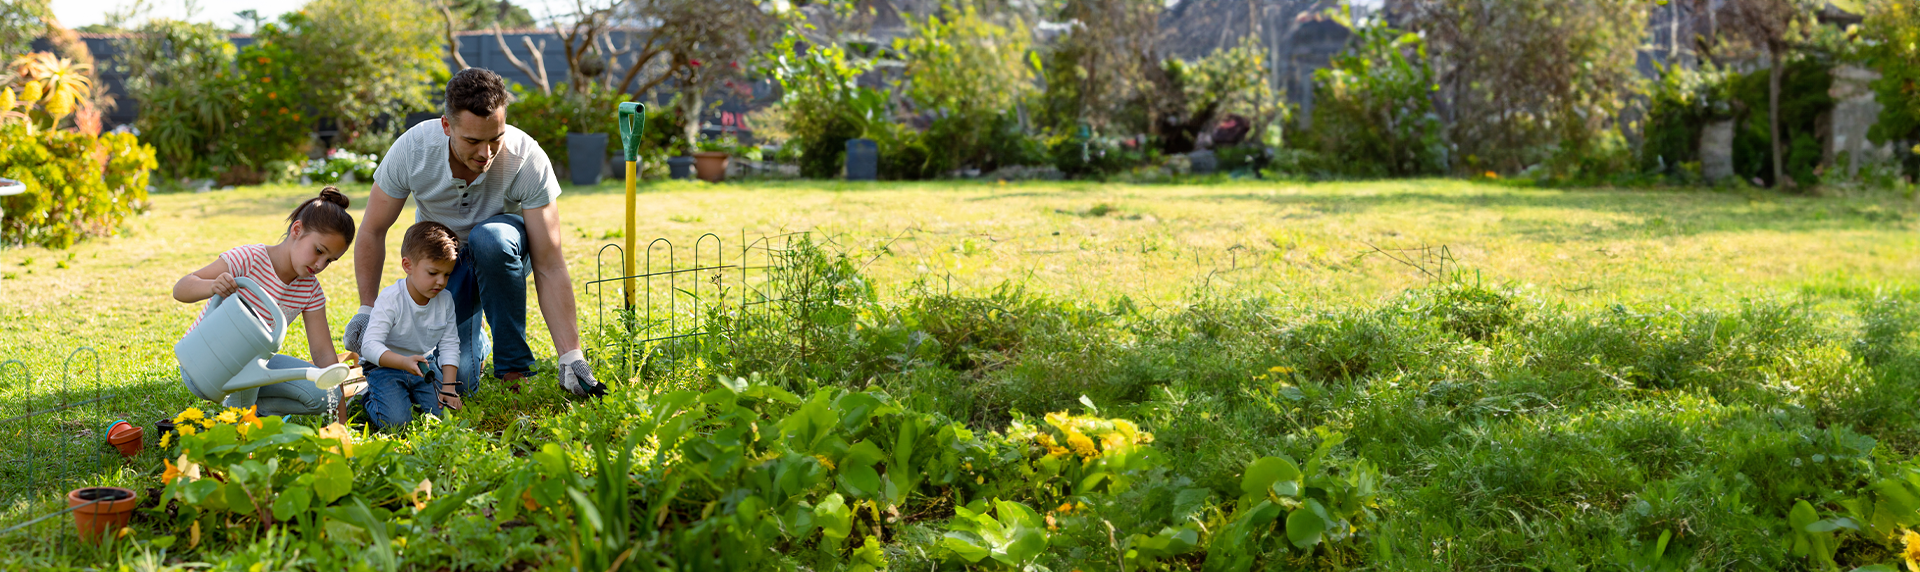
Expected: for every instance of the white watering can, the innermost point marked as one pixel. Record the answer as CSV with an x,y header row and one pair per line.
x,y
228,351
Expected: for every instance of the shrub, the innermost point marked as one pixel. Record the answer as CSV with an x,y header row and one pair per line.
x,y
1529,80
77,184
209,109
967,72
1373,116
1681,103
1893,47
824,105
549,117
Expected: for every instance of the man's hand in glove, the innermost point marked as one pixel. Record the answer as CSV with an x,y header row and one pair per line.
x,y
577,376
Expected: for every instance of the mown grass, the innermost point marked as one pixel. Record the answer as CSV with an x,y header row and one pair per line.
x,y
1574,373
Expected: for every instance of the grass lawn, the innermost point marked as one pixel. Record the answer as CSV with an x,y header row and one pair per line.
x,y
1525,367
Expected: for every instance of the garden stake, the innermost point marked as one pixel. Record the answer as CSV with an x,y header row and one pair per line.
x,y
630,132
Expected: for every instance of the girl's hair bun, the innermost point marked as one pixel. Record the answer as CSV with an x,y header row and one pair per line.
x,y
332,195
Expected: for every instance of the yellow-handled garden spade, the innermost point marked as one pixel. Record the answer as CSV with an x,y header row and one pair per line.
x,y
633,123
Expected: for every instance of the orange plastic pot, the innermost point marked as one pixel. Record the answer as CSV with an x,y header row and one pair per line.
x,y
110,508
126,437
710,165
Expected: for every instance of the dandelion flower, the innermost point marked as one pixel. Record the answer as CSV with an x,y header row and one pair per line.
x,y
190,414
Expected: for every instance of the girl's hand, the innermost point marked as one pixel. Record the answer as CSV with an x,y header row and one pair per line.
x,y
224,286
413,364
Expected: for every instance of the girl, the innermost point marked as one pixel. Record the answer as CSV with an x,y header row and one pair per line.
x,y
318,233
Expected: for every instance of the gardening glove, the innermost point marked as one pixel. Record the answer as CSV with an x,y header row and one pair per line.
x,y
357,328
577,376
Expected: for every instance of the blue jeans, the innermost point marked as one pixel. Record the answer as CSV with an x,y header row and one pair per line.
x,y
392,394
297,397
491,279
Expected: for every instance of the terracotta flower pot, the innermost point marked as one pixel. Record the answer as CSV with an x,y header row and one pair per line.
x,y
109,514
711,165
126,437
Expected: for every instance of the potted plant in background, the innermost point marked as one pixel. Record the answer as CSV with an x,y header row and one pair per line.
x,y
711,160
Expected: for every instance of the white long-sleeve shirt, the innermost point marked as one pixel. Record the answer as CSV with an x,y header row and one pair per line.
x,y
407,329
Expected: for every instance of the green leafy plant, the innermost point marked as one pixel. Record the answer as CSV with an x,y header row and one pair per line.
x,y
71,192
1009,535
1373,115
825,106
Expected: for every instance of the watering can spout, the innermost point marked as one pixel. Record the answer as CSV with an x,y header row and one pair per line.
x,y
257,374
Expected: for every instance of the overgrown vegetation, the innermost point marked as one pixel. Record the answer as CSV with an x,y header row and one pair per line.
x,y
1009,428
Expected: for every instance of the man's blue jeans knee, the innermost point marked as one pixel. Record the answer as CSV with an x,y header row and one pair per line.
x,y
491,279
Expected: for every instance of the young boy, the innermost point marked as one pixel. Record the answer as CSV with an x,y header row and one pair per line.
x,y
412,330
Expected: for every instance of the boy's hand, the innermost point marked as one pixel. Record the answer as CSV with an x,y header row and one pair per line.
x,y
224,286
450,396
413,364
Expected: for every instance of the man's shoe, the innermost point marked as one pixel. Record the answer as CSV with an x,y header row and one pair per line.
x,y
513,380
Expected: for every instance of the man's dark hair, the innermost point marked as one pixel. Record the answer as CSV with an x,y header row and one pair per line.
x,y
430,241
476,90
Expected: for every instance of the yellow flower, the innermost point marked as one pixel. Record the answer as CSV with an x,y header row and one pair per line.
x,y
187,430
1082,444
1912,552
166,440
980,480
824,461
1280,369
227,416
1065,507
339,433
1057,419
190,414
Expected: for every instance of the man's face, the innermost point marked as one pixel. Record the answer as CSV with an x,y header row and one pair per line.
x,y
475,139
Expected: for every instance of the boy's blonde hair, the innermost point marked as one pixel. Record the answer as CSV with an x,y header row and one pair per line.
x,y
430,241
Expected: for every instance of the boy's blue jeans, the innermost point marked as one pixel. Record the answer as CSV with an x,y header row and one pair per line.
x,y
392,394
491,279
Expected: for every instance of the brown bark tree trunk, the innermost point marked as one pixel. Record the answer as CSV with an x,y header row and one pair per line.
x,y
1773,111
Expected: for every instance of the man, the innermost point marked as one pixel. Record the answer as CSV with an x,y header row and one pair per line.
x,y
493,186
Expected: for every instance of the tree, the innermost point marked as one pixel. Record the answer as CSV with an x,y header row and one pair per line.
x,y
1769,24
688,43
1892,31
1103,71
362,60
1524,82
20,22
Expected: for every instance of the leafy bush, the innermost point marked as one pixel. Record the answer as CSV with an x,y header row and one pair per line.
x,y
1893,47
336,165
77,184
825,106
1531,82
1681,104
361,60
966,73
1372,115
211,110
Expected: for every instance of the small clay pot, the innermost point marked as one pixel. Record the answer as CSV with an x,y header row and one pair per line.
x,y
114,505
126,437
710,165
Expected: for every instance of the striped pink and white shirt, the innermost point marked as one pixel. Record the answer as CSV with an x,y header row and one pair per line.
x,y
251,261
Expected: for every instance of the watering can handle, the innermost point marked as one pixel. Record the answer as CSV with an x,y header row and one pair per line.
x,y
279,321
633,124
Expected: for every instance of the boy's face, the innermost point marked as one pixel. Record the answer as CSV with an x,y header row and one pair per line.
x,y
427,277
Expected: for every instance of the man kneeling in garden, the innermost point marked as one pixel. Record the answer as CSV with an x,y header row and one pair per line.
x,y
491,184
